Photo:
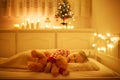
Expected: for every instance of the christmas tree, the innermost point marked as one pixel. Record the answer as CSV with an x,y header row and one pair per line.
x,y
64,10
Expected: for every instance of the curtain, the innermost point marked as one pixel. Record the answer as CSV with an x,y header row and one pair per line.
x,y
41,9
27,7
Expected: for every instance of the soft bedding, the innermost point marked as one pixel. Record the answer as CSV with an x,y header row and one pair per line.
x,y
15,68
13,73
87,66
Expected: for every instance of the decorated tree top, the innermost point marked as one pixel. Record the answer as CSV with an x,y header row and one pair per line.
x,y
64,10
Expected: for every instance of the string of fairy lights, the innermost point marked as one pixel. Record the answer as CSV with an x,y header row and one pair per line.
x,y
103,42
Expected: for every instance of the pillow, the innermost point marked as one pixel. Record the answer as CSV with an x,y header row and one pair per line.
x,y
87,66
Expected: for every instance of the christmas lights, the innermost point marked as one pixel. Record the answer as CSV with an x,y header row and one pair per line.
x,y
64,11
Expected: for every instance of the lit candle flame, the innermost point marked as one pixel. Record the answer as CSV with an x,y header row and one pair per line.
x,y
16,26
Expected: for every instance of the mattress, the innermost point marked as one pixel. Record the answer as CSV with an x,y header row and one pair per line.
x,y
103,73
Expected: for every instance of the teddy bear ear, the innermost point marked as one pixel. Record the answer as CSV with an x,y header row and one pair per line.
x,y
41,55
58,57
47,53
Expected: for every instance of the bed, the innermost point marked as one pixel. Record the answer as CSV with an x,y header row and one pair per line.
x,y
22,73
15,41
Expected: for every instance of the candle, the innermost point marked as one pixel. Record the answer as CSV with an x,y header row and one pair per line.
x,y
27,23
16,26
32,25
70,27
38,24
47,23
63,26
57,27
23,26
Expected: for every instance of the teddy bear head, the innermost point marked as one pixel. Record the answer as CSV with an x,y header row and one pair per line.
x,y
40,60
61,61
62,64
57,64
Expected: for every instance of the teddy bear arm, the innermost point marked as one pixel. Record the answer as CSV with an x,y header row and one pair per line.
x,y
55,70
66,73
42,61
47,68
36,67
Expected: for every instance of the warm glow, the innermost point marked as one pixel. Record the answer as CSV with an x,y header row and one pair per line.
x,y
93,45
23,25
108,34
70,27
47,26
30,23
95,34
101,49
57,27
35,23
16,26
27,19
105,42
38,20
110,45
114,39
103,37
98,49
47,23
99,35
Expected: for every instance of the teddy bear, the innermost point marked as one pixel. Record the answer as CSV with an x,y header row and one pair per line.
x,y
77,57
39,60
62,64
57,63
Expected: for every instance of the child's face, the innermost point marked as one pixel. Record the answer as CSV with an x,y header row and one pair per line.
x,y
78,58
71,58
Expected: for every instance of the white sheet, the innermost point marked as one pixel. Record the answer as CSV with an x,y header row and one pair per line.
x,y
9,73
21,59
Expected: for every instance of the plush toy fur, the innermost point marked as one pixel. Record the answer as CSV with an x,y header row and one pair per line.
x,y
40,61
45,61
57,66
62,64
57,63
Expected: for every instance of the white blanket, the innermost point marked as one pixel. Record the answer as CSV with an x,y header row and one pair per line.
x,y
20,60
